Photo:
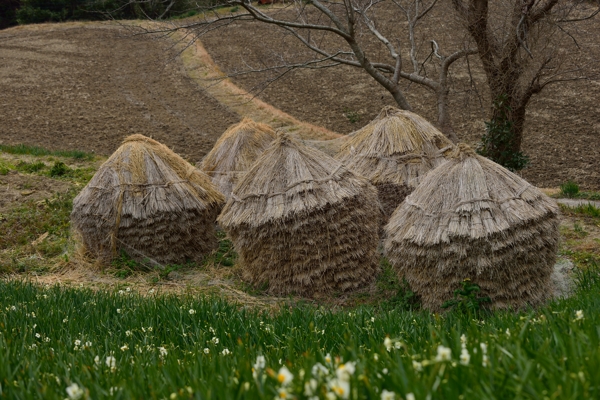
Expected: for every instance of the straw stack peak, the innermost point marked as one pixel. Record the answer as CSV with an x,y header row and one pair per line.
x,y
294,177
394,152
235,152
395,132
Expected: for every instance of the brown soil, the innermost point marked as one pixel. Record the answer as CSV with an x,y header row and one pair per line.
x,y
87,86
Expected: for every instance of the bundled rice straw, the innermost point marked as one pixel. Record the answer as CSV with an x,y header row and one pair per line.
x,y
394,152
473,219
234,152
149,202
330,147
303,223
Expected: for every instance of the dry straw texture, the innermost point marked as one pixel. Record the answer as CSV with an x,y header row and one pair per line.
x,y
302,223
149,202
234,152
330,147
394,152
474,219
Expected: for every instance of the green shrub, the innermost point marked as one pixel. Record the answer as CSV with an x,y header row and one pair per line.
x,y
59,169
569,189
466,299
497,142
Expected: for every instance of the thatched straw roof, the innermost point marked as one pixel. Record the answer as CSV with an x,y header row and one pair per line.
x,y
149,202
474,219
330,147
394,152
302,222
234,152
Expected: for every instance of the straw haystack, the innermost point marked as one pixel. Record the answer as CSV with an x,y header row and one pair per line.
x,y
330,147
474,219
149,202
235,151
394,152
303,223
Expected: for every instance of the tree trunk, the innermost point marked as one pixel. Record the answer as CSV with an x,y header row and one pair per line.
x,y
444,121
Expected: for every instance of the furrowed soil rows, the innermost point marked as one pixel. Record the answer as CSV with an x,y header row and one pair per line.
x,y
86,87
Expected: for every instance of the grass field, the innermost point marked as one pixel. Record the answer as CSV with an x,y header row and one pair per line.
x,y
129,345
125,340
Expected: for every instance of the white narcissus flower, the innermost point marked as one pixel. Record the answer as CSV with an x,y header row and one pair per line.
x,y
417,366
486,361
310,387
225,352
387,395
282,393
97,360
465,357
410,396
578,315
192,311
344,371
74,392
340,387
284,376
319,370
206,350
163,352
111,363
443,353
260,363
387,342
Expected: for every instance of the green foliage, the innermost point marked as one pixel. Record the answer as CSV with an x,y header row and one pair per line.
x,y
31,220
225,255
40,151
125,266
59,169
234,9
24,166
5,167
8,13
589,210
569,189
466,299
53,337
497,143
395,294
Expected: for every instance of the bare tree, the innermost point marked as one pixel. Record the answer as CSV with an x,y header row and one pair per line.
x,y
354,23
519,44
